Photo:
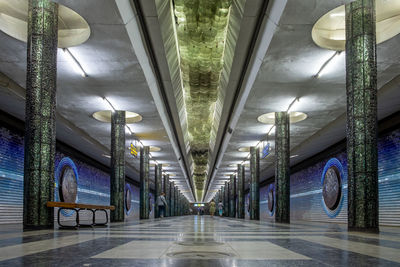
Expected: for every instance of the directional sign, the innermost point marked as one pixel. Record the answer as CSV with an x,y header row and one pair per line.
x,y
265,151
133,150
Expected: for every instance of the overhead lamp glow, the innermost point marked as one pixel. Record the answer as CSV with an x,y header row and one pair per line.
x,y
108,103
329,31
244,149
294,116
329,65
105,116
74,62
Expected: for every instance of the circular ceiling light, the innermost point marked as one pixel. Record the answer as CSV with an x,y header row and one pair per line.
x,y
72,28
235,165
244,149
105,116
329,31
269,118
155,149
153,164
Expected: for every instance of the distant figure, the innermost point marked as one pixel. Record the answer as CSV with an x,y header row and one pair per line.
x,y
161,203
212,208
220,208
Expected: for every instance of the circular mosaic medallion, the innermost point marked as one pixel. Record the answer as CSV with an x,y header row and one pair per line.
x,y
68,185
331,189
128,199
270,201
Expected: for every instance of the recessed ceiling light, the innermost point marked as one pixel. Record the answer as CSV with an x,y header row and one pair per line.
x,y
73,31
293,156
269,118
329,31
235,165
105,116
106,156
155,149
244,149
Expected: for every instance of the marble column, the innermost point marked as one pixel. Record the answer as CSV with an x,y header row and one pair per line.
x,y
282,167
117,177
240,191
176,201
232,197
167,195
158,185
40,129
223,198
226,199
172,198
254,183
144,182
361,88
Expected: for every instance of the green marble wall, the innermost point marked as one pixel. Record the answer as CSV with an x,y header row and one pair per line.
x,y
282,167
40,130
117,177
254,183
144,182
361,88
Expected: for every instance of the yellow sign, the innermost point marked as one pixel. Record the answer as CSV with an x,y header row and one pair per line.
x,y
133,150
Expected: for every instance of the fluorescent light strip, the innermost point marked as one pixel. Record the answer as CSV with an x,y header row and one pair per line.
x,y
75,63
319,73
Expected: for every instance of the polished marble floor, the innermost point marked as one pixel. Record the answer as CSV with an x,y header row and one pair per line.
x,y
200,241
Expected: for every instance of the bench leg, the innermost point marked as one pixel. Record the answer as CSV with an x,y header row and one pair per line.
x,y
80,224
94,217
67,226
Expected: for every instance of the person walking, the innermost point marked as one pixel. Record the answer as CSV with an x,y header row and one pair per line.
x,y
162,204
212,208
220,208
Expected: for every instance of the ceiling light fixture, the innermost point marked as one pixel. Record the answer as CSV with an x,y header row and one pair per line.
x,y
292,104
75,63
109,104
324,66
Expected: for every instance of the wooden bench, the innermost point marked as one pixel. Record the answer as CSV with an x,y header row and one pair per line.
x,y
78,207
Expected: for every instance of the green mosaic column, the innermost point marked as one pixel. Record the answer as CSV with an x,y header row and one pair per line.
x,y
172,198
179,203
117,177
144,182
176,200
40,130
158,184
254,183
232,197
223,198
240,191
167,196
226,199
282,167
361,87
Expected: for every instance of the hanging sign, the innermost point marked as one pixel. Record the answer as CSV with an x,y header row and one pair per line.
x,y
265,151
133,150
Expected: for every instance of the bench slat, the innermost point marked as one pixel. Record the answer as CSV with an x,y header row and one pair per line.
x,y
54,204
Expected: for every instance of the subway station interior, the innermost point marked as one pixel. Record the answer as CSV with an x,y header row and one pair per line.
x,y
200,133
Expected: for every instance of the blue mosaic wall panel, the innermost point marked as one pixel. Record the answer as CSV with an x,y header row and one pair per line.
x,y
93,184
306,189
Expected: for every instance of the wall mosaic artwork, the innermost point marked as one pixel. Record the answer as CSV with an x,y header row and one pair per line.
x,y
75,181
